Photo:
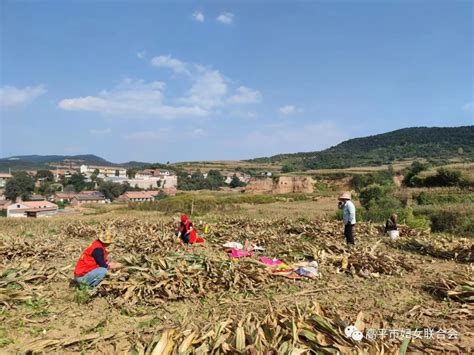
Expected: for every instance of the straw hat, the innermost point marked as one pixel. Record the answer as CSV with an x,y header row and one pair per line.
x,y
345,196
107,237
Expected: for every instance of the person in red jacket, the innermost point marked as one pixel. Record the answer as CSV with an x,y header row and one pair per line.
x,y
187,233
93,264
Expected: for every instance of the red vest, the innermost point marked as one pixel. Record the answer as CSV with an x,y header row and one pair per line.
x,y
87,262
185,226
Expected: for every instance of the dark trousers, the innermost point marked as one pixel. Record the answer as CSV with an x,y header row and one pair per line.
x,y
185,237
349,233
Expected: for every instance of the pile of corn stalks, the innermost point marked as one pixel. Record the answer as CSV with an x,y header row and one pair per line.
x,y
460,250
20,283
154,279
288,330
370,262
458,289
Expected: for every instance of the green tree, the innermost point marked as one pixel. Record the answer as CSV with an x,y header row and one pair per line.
x,y
78,181
112,190
117,173
215,179
415,168
48,188
20,185
288,168
94,174
445,177
131,172
235,182
370,194
44,175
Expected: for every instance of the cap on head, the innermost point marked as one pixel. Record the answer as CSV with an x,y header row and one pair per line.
x,y
106,237
184,218
345,196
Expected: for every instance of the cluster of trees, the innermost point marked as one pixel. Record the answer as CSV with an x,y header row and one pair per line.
x,y
443,177
197,181
20,185
383,177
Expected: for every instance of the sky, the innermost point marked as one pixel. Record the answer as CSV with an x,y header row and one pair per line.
x,y
160,81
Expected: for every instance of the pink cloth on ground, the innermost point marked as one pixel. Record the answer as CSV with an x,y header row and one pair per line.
x,y
236,253
270,262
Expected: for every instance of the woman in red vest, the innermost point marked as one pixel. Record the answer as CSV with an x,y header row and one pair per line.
x,y
187,233
93,265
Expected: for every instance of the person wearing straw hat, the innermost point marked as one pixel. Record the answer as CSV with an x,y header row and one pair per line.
x,y
348,216
93,264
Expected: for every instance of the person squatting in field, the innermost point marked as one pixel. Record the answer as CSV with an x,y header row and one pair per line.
x,y
186,231
391,224
93,264
348,216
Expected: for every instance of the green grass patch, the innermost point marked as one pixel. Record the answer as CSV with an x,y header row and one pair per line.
x,y
456,219
201,204
435,198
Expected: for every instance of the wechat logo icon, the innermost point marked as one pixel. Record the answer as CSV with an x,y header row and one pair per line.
x,y
353,333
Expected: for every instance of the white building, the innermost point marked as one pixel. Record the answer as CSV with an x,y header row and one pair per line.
x,y
148,183
87,170
32,209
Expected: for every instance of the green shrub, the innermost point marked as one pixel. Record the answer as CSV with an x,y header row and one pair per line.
x,y
455,219
384,177
414,221
433,198
452,222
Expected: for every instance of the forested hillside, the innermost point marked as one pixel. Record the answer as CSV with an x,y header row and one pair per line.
x,y
435,144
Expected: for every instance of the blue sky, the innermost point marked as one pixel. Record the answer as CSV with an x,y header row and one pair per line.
x,y
196,80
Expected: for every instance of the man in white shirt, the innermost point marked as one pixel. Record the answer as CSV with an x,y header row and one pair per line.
x,y
348,216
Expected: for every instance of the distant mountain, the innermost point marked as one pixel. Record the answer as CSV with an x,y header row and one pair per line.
x,y
35,162
436,144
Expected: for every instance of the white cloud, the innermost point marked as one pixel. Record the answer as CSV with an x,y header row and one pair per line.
x,y
245,95
141,55
100,132
225,18
469,106
209,93
208,90
12,96
289,109
198,16
166,61
132,98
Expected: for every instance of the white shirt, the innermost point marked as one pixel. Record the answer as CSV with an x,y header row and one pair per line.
x,y
349,213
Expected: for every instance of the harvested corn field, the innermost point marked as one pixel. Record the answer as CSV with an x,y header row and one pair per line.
x,y
171,298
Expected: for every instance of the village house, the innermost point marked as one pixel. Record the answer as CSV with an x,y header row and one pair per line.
x,y
104,171
35,197
63,197
59,173
147,173
32,209
147,183
138,196
4,177
86,197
